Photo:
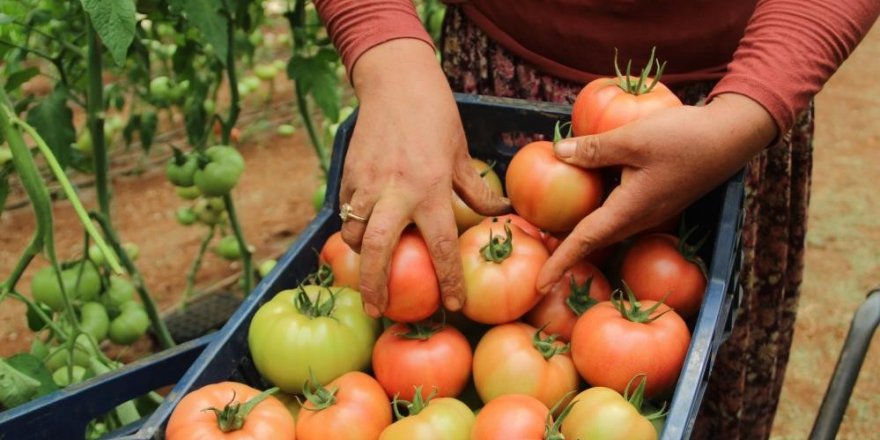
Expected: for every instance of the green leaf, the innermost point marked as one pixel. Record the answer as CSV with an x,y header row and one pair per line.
x,y
149,121
207,17
133,125
20,77
115,22
34,367
54,121
317,76
16,388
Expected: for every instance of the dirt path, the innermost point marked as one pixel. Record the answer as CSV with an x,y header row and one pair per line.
x,y
843,249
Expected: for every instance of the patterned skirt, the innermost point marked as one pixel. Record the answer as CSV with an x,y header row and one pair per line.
x,y
747,378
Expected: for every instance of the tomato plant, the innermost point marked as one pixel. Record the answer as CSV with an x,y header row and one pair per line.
x,y
352,407
616,340
548,192
607,103
517,358
465,217
602,412
661,267
441,418
436,358
311,328
413,288
580,288
344,262
230,410
501,265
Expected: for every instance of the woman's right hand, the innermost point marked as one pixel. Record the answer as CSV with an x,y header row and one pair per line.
x,y
407,154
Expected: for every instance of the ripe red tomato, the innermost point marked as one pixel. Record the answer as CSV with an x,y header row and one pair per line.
x,y
517,358
514,416
607,103
407,356
580,288
501,265
617,340
657,265
413,288
516,220
548,192
344,262
196,415
352,407
465,217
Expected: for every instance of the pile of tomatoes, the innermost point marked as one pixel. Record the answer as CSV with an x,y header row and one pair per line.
x,y
584,361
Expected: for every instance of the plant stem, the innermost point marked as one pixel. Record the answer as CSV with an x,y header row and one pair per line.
x,y
246,256
162,333
234,104
303,107
70,193
95,108
194,269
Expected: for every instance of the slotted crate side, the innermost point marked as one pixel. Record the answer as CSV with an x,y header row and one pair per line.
x,y
484,119
64,414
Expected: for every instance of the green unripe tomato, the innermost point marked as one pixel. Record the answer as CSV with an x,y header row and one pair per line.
x,y
132,250
131,305
64,377
318,196
181,173
265,72
58,356
129,326
188,192
266,267
217,179
165,30
256,38
209,105
84,143
185,216
5,155
286,129
96,256
94,320
39,349
46,289
228,248
160,86
120,291
251,82
179,90
206,214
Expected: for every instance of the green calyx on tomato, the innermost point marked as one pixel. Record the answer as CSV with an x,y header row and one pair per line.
x,y
635,313
557,131
320,397
547,346
553,430
497,250
181,169
579,300
234,414
316,308
413,408
689,252
637,399
322,277
640,87
420,331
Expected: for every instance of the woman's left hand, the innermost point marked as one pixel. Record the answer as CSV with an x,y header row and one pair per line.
x,y
669,159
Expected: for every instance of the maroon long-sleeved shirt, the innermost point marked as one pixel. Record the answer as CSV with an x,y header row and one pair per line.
x,y
777,52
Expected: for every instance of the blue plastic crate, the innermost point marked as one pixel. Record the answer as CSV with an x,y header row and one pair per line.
x,y
484,120
64,414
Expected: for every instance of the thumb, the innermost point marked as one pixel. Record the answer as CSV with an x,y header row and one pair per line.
x,y
475,193
596,151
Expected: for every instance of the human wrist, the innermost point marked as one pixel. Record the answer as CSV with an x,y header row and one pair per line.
x,y
744,120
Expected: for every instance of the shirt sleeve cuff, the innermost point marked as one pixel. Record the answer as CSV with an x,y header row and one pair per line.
x,y
773,102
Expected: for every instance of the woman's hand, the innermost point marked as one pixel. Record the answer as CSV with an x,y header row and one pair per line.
x,y
669,160
407,154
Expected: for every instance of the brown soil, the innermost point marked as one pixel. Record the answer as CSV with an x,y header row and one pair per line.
x,y
843,256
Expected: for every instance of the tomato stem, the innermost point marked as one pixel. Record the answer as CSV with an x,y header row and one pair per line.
x,y
497,250
690,252
557,131
635,312
234,414
320,397
638,396
579,300
418,403
316,308
548,346
639,87
421,331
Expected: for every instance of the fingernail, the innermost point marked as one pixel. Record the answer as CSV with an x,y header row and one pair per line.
x,y
372,310
565,149
452,303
